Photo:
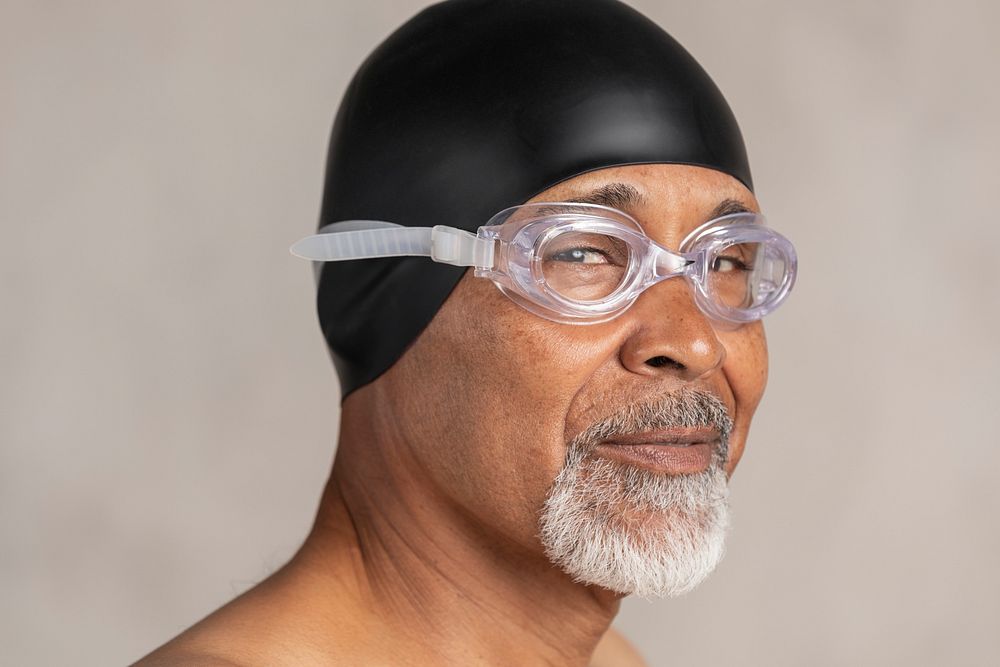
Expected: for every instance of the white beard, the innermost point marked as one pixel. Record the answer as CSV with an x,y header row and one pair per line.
x,y
634,530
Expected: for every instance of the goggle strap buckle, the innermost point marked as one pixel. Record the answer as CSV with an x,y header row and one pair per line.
x,y
460,248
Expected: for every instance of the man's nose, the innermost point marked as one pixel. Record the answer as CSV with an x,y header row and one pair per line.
x,y
672,336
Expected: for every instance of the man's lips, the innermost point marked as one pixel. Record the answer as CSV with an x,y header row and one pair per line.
x,y
676,451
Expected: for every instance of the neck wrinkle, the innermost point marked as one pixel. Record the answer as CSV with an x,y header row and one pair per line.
x,y
436,576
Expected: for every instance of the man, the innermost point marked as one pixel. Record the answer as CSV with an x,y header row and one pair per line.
x,y
520,452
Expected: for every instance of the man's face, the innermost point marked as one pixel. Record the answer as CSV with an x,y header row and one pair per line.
x,y
490,397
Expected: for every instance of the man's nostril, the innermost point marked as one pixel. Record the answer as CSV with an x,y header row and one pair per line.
x,y
661,361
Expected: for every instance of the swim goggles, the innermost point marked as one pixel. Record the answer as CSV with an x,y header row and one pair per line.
x,y
578,263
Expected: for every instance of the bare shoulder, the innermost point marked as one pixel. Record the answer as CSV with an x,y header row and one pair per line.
x,y
164,657
261,628
615,651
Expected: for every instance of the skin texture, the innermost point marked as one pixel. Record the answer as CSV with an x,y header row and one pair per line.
x,y
425,548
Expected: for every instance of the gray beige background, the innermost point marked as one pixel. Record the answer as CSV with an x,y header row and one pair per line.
x,y
169,413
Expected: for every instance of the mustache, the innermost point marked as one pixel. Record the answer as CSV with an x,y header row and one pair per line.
x,y
684,408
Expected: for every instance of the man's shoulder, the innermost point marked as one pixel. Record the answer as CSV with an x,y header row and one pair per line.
x,y
164,657
614,650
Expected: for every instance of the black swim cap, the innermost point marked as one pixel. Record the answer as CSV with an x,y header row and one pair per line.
x,y
472,106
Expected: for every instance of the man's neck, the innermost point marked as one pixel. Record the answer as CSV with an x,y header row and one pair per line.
x,y
435,579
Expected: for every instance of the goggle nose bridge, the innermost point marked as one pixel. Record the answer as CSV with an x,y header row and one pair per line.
x,y
666,263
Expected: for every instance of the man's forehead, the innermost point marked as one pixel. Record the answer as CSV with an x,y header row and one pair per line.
x,y
627,197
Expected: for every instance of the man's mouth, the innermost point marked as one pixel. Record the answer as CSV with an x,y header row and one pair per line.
x,y
675,451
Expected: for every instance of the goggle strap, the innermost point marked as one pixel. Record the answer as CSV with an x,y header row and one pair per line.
x,y
367,239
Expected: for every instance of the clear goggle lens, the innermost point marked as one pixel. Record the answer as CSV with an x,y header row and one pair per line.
x,y
743,276
584,266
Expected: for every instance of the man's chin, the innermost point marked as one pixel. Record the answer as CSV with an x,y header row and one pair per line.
x,y
650,527
634,531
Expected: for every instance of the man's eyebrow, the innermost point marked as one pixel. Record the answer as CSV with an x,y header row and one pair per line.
x,y
616,195
624,197
728,207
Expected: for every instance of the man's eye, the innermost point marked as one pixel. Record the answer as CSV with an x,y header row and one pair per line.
x,y
581,256
725,263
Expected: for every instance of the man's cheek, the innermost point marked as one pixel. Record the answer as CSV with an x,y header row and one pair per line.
x,y
746,373
751,379
737,444
570,357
